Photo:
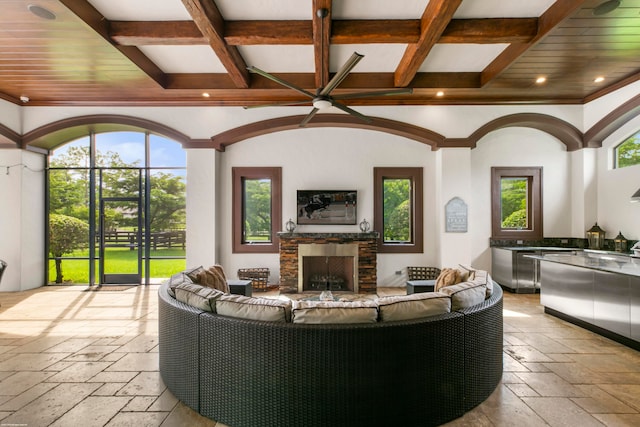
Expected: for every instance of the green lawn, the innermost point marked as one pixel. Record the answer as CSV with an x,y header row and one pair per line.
x,y
118,261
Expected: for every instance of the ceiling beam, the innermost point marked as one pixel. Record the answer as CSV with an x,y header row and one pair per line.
x,y
353,82
244,33
553,16
209,21
321,24
496,30
435,19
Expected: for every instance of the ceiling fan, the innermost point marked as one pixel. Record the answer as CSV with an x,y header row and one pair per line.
x,y
323,99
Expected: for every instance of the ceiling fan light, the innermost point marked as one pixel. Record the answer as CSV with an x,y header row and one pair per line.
x,y
321,103
606,7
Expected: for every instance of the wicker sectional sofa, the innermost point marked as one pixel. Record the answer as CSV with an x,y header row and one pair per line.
x,y
245,372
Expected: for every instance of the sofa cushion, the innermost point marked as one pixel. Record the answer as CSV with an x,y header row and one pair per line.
x,y
197,296
467,273
465,294
212,278
414,306
267,309
332,312
447,277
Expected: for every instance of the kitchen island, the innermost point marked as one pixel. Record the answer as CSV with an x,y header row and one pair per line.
x,y
597,290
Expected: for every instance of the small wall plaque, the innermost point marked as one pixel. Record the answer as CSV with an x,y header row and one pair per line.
x,y
455,212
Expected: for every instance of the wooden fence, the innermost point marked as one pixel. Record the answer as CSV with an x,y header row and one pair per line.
x,y
159,240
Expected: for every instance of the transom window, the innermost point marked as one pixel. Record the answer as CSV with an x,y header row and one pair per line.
x,y
516,205
628,152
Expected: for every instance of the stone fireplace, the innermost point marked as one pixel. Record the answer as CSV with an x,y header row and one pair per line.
x,y
335,261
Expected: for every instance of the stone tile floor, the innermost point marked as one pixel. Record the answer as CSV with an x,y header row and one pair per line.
x,y
71,357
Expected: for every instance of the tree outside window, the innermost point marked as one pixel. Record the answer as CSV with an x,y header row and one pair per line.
x,y
516,203
257,207
398,209
628,153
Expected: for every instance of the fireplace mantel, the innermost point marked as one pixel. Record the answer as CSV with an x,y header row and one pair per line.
x,y
368,235
367,256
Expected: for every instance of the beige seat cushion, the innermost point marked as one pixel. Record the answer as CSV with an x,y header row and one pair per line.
x,y
465,294
198,296
267,309
334,312
414,306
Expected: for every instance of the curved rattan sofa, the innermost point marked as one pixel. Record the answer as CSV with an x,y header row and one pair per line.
x,y
406,373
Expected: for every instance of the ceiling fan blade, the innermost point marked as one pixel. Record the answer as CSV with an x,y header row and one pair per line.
x,y
306,120
280,81
352,112
399,91
278,104
342,73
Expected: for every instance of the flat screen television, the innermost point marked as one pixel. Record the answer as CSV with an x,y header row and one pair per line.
x,y
336,207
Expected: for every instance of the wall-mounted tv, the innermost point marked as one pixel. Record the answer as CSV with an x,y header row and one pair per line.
x,y
337,207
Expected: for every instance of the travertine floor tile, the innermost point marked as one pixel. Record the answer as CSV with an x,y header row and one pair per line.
x,y
92,412
128,419
558,411
52,405
601,402
90,358
549,384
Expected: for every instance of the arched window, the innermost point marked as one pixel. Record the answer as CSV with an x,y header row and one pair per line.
x,y
627,153
117,208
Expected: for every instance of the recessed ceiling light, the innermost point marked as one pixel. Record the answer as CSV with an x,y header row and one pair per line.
x,y
439,93
541,79
598,79
205,94
41,12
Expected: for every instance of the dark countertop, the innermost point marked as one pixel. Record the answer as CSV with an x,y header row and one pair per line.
x,y
536,248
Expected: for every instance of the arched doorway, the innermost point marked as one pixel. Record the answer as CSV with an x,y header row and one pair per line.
x,y
116,207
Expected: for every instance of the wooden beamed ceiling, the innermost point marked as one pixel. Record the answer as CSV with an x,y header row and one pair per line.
x,y
547,44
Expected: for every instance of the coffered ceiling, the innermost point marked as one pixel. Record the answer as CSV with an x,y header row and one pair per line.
x,y
196,52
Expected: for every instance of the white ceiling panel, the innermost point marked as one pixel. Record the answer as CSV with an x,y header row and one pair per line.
x,y
502,9
184,59
280,59
235,10
377,58
133,10
461,57
378,9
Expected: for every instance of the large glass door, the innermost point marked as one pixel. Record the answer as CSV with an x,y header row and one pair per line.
x,y
120,247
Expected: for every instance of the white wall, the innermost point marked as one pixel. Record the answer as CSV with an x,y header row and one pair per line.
x,y
22,219
328,159
520,147
615,187
579,187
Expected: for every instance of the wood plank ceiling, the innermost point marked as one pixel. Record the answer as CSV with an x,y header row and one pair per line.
x,y
89,55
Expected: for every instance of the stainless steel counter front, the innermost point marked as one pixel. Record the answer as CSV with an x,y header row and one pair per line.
x,y
599,291
512,267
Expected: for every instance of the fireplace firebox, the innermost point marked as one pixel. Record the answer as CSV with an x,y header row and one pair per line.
x,y
330,273
328,266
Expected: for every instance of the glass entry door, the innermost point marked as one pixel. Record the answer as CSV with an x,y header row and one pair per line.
x,y
120,240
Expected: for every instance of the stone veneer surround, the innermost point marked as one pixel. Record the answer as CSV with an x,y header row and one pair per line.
x,y
367,256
